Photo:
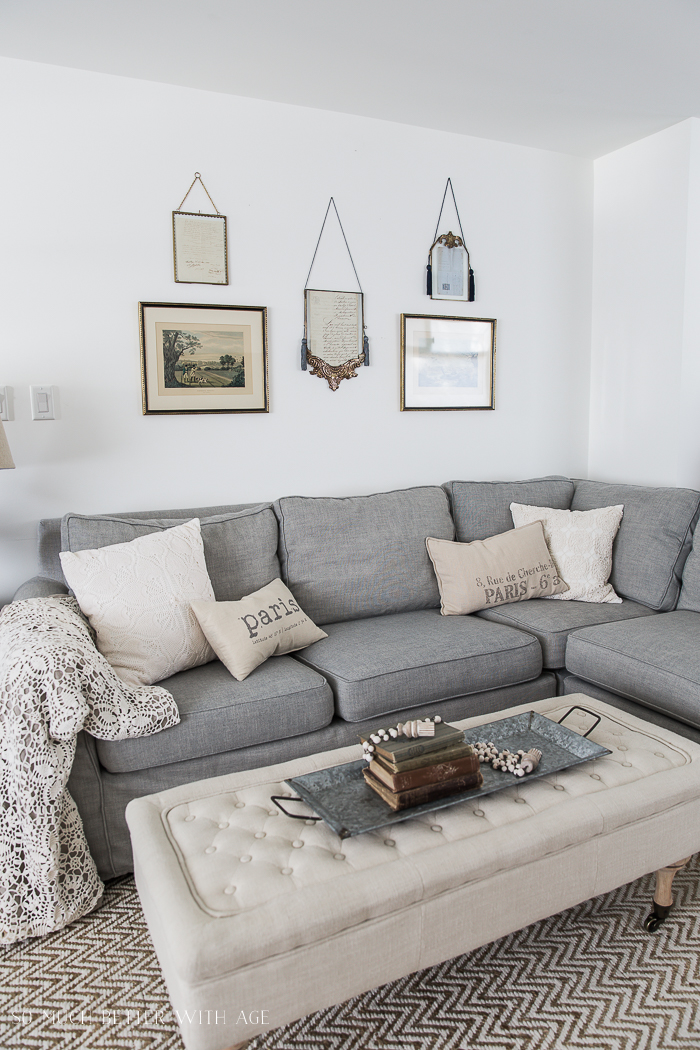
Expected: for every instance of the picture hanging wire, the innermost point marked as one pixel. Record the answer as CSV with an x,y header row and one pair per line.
x,y
365,340
429,268
196,177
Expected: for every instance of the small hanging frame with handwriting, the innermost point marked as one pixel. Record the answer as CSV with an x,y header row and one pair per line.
x,y
200,254
335,343
449,272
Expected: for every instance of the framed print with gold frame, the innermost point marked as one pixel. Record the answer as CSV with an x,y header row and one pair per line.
x,y
197,358
447,362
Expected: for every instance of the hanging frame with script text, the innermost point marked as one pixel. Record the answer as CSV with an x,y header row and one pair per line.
x,y
335,343
200,248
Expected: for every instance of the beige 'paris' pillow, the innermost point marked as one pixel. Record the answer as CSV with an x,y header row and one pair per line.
x,y
580,542
137,597
245,633
510,567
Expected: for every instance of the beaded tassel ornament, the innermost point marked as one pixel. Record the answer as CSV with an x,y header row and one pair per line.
x,y
518,764
417,727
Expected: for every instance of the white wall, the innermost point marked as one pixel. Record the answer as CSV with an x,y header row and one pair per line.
x,y
645,367
93,166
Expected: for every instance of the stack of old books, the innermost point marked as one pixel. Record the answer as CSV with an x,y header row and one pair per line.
x,y
408,772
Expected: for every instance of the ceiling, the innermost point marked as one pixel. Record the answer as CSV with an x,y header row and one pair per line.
x,y
576,76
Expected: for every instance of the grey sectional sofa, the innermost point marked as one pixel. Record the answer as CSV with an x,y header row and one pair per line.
x,y
358,566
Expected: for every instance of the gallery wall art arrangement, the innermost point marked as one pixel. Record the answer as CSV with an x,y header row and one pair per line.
x,y
445,365
272,179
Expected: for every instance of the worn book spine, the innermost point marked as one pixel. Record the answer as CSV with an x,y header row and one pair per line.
x,y
405,747
447,754
427,793
434,773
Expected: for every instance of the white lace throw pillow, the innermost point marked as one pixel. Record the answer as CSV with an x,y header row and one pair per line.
x,y
137,598
580,542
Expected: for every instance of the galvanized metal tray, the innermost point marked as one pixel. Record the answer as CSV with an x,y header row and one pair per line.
x,y
342,799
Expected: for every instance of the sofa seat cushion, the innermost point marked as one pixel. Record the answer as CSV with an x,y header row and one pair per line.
x,y
653,660
345,559
653,540
551,623
389,663
281,698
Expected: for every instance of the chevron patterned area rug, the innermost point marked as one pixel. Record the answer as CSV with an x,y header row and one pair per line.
x,y
587,979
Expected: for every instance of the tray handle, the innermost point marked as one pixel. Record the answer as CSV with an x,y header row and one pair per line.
x,y
577,707
290,798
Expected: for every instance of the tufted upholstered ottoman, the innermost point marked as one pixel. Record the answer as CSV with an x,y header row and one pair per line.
x,y
258,919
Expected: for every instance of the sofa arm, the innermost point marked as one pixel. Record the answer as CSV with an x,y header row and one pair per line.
x,y
39,587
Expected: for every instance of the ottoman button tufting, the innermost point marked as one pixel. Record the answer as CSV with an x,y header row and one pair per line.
x,y
628,764
271,946
260,834
309,821
660,754
223,824
621,747
210,849
190,816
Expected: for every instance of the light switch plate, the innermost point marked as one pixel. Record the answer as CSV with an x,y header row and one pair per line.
x,y
4,403
42,402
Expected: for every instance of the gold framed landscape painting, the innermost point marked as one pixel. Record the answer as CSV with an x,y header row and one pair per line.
x,y
447,362
197,358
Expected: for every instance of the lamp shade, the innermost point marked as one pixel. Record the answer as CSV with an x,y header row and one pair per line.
x,y
5,454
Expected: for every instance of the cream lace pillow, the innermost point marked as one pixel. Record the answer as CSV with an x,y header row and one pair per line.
x,y
580,542
137,598
266,623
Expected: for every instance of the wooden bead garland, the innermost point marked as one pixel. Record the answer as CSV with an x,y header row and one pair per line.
x,y
518,764
415,728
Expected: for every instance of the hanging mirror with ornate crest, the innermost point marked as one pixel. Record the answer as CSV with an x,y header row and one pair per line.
x,y
449,272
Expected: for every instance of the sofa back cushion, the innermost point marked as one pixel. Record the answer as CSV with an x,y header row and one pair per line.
x,y
653,541
49,530
240,548
345,559
482,508
690,591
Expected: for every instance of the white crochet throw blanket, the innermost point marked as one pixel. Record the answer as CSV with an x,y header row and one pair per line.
x,y
53,683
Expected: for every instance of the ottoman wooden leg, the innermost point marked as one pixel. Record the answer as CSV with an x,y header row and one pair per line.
x,y
663,898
